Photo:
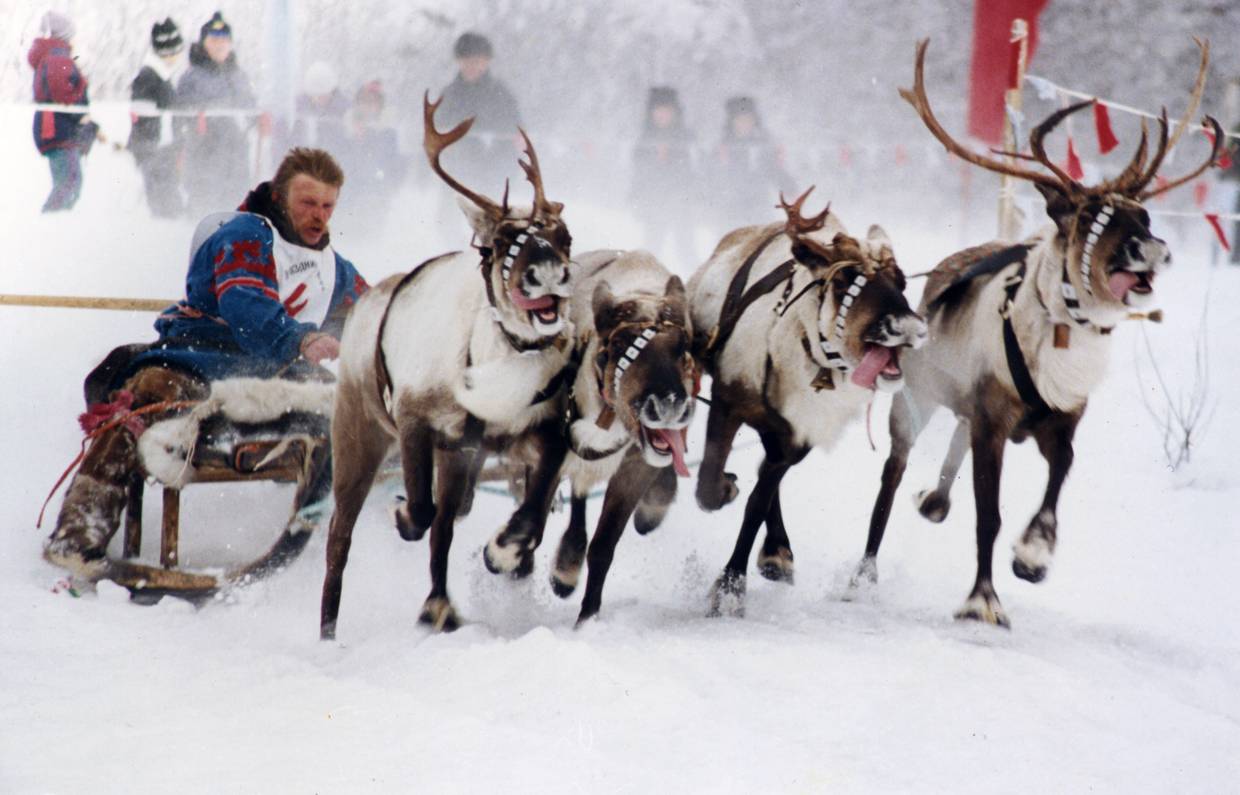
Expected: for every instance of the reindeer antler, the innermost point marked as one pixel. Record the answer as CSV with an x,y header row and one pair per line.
x,y
917,98
797,224
1039,134
1165,146
435,142
533,172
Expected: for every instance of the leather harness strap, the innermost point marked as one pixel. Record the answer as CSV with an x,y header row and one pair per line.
x,y
1017,366
384,377
738,299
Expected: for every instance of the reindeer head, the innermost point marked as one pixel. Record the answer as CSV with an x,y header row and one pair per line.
x,y
647,374
526,251
863,318
1110,257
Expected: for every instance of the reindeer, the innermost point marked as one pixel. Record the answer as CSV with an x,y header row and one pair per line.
x,y
451,367
795,364
632,404
1020,335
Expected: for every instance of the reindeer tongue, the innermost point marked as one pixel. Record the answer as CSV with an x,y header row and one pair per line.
x,y
874,362
527,304
675,440
1120,283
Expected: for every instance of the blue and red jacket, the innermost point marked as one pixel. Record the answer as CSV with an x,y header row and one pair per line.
x,y
233,321
58,81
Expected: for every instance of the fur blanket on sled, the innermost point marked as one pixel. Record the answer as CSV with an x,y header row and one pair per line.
x,y
167,447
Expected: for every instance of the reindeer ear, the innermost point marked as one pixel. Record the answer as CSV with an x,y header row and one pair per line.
x,y
805,255
603,305
878,237
482,222
674,303
1059,207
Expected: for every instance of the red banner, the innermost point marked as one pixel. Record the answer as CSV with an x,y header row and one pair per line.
x,y
994,61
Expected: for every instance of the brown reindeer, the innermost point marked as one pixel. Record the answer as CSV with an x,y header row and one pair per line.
x,y
451,367
807,321
1020,335
632,405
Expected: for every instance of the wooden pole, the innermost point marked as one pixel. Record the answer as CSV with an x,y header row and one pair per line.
x,y
87,302
1009,221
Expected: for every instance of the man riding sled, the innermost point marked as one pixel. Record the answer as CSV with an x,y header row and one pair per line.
x,y
266,297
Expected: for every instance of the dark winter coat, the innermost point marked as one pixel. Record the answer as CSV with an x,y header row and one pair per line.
x,y
232,321
57,80
149,87
663,171
747,175
216,164
486,156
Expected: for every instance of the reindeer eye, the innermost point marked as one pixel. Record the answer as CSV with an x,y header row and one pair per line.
x,y
564,278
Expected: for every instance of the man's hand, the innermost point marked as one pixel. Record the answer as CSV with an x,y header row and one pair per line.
x,y
317,347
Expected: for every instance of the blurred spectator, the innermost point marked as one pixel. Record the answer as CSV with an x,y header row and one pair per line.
x,y
216,167
489,154
747,171
662,194
371,157
151,138
60,137
321,108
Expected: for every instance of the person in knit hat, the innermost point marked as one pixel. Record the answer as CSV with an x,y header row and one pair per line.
x,y
216,161
747,168
60,137
151,139
488,155
663,178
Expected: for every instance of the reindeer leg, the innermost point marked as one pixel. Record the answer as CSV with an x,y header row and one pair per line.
x,y
414,515
358,449
988,442
511,550
908,417
775,560
624,492
452,468
716,488
572,550
655,502
935,503
1036,546
729,590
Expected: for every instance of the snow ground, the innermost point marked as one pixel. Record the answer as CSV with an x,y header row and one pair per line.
x,y
1121,672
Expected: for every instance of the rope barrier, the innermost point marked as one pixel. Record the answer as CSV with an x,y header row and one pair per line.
x,y
1047,88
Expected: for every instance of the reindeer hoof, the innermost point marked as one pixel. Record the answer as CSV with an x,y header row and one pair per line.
x,y
646,520
723,492
777,566
562,587
932,505
1034,574
865,576
439,615
413,521
513,558
984,609
727,596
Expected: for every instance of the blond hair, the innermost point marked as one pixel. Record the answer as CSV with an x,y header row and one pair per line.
x,y
315,163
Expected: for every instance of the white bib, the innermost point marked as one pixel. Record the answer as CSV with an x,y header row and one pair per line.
x,y
307,279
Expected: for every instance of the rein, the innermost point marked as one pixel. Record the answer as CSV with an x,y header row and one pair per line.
x,y
124,416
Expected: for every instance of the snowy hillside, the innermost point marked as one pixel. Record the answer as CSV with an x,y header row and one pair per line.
x,y
1121,672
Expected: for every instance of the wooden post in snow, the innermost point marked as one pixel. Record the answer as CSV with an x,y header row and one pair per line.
x,y
1009,218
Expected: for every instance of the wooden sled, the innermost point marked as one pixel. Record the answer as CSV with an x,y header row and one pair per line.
x,y
292,449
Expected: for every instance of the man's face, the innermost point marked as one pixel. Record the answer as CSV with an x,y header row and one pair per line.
x,y
218,47
473,67
309,205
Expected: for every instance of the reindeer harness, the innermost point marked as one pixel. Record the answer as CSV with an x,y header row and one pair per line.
x,y
552,388
739,299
